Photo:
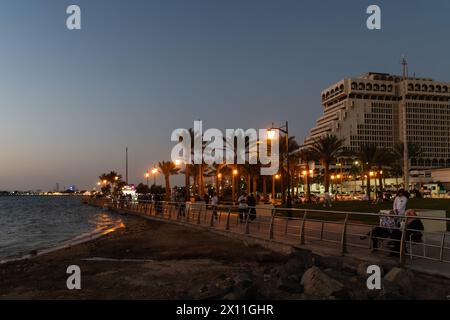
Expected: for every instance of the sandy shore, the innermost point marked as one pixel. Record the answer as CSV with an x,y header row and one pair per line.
x,y
143,260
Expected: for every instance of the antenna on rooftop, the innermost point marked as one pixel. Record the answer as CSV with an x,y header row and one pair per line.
x,y
404,63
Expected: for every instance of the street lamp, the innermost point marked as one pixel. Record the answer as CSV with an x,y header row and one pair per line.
x,y
154,172
233,187
274,178
271,135
147,175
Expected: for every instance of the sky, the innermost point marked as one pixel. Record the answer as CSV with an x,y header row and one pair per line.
x,y
71,101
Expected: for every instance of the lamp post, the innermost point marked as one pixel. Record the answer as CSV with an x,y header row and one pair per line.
x,y
285,129
233,187
147,175
274,178
154,172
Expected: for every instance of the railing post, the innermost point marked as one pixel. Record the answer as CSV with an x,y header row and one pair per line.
x,y
183,210
247,226
302,229
286,226
344,236
441,253
228,219
211,222
321,230
403,244
199,214
272,221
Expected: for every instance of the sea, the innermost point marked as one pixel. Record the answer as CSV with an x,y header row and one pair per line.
x,y
31,224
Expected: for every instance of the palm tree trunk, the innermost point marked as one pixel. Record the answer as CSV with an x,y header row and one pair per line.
x,y
202,180
187,181
255,185
248,183
308,184
326,178
380,180
368,186
167,178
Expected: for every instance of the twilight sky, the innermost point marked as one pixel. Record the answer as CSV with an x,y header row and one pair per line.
x,y
71,101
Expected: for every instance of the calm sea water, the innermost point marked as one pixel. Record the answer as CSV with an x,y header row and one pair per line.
x,y
29,223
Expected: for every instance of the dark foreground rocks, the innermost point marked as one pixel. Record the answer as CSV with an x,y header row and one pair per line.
x,y
153,260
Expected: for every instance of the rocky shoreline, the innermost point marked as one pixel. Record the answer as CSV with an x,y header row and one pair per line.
x,y
156,260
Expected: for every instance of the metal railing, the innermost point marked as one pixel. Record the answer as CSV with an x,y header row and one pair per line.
x,y
344,231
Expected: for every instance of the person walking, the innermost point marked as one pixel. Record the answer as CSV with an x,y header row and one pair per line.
x,y
243,206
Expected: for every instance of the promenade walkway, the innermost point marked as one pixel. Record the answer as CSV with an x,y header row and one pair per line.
x,y
337,234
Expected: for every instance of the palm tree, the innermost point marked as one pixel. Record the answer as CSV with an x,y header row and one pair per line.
x,y
168,168
326,150
306,156
384,158
414,151
367,154
111,180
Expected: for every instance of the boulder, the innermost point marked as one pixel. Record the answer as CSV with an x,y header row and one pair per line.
x,y
318,284
290,284
244,288
402,278
389,291
298,262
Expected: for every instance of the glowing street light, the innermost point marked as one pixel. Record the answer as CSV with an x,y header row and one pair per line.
x,y
177,162
233,187
147,175
154,172
271,134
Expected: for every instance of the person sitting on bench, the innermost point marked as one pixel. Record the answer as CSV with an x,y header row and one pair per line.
x,y
414,228
384,230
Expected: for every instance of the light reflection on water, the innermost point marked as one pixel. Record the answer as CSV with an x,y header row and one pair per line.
x,y
29,223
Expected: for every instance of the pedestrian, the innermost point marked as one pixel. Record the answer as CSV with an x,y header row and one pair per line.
x,y
243,206
214,204
251,202
400,203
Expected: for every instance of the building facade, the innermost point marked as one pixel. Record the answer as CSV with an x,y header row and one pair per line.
x,y
372,109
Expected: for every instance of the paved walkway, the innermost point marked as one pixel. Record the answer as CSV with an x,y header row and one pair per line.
x,y
320,236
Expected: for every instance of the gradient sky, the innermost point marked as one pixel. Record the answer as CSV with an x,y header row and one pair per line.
x,y
71,101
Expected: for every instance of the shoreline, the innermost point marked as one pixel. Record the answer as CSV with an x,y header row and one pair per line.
x,y
67,243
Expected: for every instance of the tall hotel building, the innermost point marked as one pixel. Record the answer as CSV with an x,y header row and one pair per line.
x,y
371,109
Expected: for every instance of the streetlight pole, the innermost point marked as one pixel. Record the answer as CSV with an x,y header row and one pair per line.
x,y
287,196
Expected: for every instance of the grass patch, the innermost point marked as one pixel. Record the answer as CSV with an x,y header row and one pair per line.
x,y
366,207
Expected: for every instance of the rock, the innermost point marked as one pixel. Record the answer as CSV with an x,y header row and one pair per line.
x,y
402,278
389,291
244,287
290,284
316,283
299,261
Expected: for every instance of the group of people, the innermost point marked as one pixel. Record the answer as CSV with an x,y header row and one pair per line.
x,y
391,225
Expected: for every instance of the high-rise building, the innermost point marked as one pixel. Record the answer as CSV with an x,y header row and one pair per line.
x,y
369,109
